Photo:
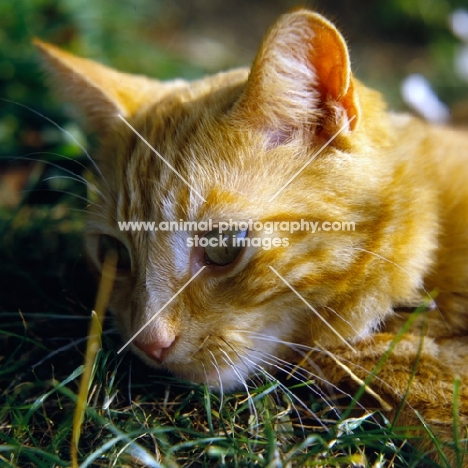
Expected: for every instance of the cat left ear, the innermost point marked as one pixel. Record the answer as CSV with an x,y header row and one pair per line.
x,y
98,92
302,77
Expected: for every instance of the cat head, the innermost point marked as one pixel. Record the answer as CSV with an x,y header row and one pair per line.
x,y
292,139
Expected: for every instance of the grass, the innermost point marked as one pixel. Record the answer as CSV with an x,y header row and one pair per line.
x,y
135,416
134,419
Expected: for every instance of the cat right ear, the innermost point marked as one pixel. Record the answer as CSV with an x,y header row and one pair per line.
x,y
98,92
301,78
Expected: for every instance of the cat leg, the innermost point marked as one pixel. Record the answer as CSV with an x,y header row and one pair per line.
x,y
418,381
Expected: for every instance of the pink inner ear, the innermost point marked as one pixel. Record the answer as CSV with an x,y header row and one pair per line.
x,y
328,55
300,77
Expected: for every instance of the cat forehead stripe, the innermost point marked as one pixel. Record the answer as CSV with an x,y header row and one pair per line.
x,y
312,309
312,158
161,309
159,155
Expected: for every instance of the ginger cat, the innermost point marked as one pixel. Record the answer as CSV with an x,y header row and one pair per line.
x,y
297,137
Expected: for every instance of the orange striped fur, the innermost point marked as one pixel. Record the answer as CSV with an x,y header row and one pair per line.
x,y
238,137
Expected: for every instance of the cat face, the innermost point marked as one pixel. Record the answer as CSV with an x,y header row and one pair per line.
x,y
232,317
296,138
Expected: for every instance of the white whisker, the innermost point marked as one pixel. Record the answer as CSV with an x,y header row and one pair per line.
x,y
85,211
251,401
75,178
56,125
305,380
350,325
221,390
287,391
79,178
301,348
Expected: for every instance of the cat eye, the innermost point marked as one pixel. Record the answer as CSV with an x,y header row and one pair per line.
x,y
108,243
223,248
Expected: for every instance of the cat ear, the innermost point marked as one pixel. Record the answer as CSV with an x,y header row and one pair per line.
x,y
99,92
302,76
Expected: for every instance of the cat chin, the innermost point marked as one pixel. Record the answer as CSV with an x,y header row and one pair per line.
x,y
221,380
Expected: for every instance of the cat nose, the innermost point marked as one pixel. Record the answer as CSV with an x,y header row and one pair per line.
x,y
156,349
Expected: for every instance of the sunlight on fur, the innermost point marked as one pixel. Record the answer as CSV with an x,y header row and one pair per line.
x,y
248,142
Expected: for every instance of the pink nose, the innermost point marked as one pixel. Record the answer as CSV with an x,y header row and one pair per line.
x,y
156,349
